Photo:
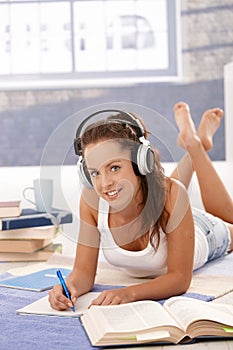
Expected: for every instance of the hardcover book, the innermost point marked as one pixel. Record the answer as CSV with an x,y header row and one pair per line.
x,y
44,232
179,320
23,245
33,218
40,255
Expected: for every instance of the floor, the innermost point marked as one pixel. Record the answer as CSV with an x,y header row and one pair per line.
x,y
216,345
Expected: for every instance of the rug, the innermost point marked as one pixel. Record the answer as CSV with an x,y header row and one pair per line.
x,y
214,279
44,332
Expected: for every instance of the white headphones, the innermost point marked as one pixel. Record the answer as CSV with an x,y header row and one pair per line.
x,y
143,158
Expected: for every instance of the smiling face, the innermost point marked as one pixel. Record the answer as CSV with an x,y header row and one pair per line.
x,y
111,172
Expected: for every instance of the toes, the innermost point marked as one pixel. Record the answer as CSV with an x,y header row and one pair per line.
x,y
214,112
218,112
180,105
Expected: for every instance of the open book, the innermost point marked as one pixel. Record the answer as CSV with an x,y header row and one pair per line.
x,y
179,320
42,307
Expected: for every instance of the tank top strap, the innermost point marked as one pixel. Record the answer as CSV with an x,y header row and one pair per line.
x,y
103,211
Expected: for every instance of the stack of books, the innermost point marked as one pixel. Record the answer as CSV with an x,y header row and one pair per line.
x,y
28,235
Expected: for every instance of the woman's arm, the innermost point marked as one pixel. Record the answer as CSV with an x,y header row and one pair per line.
x,y
180,238
81,279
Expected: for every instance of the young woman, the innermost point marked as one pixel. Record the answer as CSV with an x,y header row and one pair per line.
x,y
144,223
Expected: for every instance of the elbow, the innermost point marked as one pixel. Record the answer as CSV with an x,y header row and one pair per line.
x,y
184,288
183,283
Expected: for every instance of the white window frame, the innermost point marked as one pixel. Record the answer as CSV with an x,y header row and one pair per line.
x,y
102,77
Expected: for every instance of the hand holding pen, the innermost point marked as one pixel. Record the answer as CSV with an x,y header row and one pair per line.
x,y
65,289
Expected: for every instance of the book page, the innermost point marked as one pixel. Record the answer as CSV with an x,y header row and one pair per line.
x,y
42,307
136,316
187,310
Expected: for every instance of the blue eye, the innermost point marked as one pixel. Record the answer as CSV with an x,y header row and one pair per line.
x,y
94,173
115,168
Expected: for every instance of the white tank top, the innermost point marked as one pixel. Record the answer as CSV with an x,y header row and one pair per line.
x,y
143,263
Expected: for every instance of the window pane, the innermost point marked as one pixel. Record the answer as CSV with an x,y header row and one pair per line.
x,y
127,37
153,53
5,44
89,36
55,37
24,38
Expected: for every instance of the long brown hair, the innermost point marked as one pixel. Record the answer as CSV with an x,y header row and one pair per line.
x,y
152,185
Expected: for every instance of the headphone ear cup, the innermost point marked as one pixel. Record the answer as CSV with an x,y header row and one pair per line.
x,y
83,174
143,160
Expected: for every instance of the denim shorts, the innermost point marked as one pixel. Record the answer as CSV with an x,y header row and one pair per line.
x,y
216,231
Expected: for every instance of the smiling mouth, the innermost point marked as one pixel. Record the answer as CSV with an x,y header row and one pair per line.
x,y
112,194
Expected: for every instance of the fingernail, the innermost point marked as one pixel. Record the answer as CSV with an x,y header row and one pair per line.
x,y
69,304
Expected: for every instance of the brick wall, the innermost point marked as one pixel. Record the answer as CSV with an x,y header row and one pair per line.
x,y
207,32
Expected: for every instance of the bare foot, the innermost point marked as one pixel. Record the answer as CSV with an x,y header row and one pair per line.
x,y
188,134
209,124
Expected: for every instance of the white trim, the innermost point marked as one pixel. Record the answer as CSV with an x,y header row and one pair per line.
x,y
228,95
75,83
179,42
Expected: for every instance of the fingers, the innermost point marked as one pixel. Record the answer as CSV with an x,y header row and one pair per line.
x,y
107,298
58,300
73,299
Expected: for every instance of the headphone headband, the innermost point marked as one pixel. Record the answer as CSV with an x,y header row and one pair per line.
x,y
129,119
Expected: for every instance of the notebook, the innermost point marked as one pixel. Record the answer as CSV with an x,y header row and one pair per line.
x,y
36,281
42,307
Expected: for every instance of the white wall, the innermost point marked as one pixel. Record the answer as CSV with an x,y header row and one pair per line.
x,y
228,95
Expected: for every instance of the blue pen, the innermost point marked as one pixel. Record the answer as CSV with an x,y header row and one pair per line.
x,y
63,283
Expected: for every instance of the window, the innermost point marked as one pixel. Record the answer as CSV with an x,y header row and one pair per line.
x,y
88,40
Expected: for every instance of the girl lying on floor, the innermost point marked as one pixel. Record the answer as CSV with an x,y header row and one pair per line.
x,y
142,219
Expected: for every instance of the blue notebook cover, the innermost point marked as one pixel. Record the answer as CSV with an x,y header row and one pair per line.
x,y
33,218
36,281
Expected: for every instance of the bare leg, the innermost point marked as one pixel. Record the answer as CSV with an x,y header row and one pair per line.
x,y
209,124
215,197
184,169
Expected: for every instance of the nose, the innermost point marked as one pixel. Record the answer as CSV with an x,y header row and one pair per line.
x,y
106,180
